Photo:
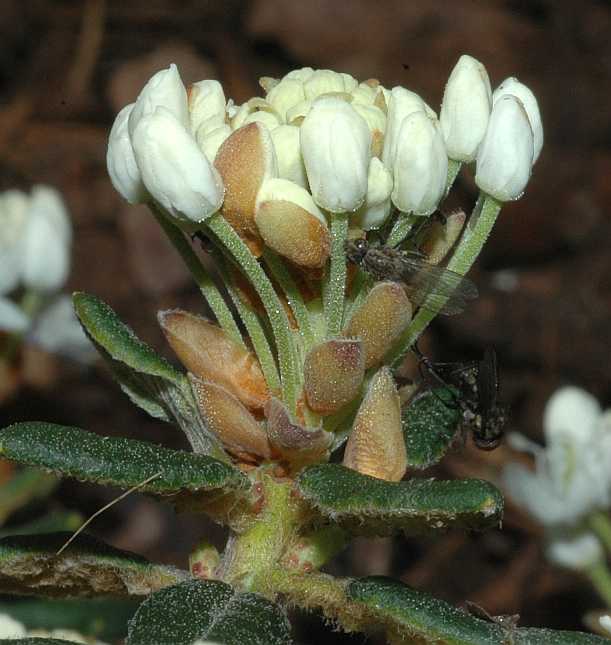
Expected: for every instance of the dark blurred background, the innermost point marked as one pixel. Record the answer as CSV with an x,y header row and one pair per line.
x,y
67,67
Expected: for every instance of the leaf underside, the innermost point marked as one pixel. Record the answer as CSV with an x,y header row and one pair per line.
x,y
29,565
210,610
365,505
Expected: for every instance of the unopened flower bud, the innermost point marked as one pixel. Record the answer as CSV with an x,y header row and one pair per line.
x,y
204,561
208,352
384,314
46,242
513,87
120,161
295,115
14,206
376,120
288,152
239,431
291,224
323,81
335,143
209,142
465,108
302,74
505,156
420,167
206,105
333,373
256,110
245,160
376,446
376,209
283,96
577,553
174,170
164,89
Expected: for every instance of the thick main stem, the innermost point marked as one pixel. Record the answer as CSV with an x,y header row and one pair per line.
x,y
336,288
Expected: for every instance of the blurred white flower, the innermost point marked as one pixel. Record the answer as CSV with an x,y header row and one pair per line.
x,y
577,552
605,623
13,216
12,318
572,477
10,628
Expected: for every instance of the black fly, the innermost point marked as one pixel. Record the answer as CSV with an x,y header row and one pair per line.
x,y
477,383
427,285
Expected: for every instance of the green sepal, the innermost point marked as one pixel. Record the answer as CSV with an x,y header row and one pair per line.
x,y
365,505
410,614
29,565
116,461
430,425
148,379
210,610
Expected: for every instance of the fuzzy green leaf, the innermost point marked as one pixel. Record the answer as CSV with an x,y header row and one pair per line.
x,y
412,614
116,461
149,380
365,505
210,610
430,425
29,565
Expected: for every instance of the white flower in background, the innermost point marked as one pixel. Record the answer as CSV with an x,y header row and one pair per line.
x,y
605,623
577,552
572,477
505,156
465,108
10,628
35,245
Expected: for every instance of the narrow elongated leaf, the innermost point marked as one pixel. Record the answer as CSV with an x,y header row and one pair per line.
x,y
115,461
368,506
29,565
430,424
209,610
409,613
148,379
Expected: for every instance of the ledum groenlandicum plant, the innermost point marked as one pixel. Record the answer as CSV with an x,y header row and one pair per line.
x,y
288,398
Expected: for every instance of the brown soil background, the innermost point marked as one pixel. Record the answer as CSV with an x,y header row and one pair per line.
x,y
67,67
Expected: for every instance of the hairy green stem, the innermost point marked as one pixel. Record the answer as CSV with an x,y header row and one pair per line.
x,y
600,577
453,170
401,228
205,283
336,287
600,523
473,239
273,307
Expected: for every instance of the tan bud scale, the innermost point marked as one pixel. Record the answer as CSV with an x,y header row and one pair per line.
x,y
442,237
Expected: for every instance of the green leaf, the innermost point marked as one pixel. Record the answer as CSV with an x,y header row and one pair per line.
x,y
24,486
49,523
104,618
149,380
29,565
210,610
368,506
430,425
116,461
412,614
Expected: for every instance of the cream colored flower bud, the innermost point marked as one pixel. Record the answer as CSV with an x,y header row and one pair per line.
x,y
174,170
333,373
335,143
302,74
46,243
245,160
376,446
208,352
513,87
14,206
287,144
291,224
323,81
268,119
379,321
465,108
209,142
296,114
283,96
120,161
164,89
206,104
239,432
421,166
253,111
401,104
504,159
377,206
376,120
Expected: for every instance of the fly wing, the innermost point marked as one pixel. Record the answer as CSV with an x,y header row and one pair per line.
x,y
487,381
435,288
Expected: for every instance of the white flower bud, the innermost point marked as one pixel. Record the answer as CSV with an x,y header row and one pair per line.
x,y
174,170
571,415
301,74
505,156
13,216
576,553
364,94
296,114
206,104
268,119
401,104
120,161
210,141
46,242
12,318
465,108
513,87
420,167
288,151
323,81
285,95
377,204
335,143
164,89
